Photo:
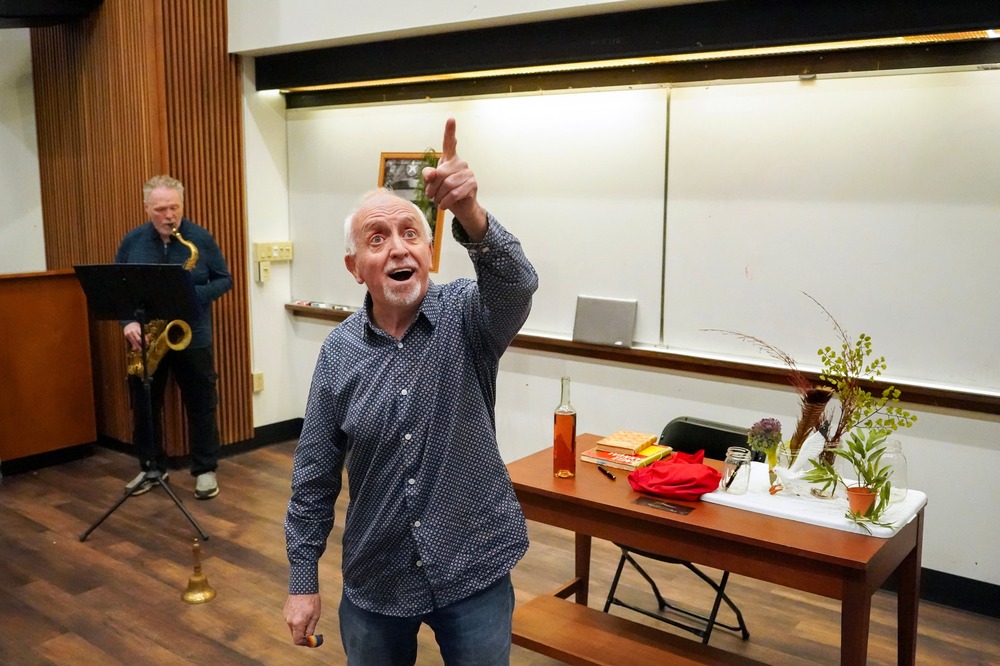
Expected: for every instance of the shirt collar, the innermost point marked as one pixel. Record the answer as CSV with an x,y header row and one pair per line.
x,y
430,308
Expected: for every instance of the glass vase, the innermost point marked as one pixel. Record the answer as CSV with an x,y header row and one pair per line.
x,y
827,456
895,460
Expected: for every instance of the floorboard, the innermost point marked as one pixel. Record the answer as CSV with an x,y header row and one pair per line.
x,y
116,598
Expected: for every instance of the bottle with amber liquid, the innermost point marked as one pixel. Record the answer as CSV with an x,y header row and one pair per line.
x,y
564,436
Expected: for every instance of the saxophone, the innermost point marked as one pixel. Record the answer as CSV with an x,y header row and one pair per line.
x,y
163,336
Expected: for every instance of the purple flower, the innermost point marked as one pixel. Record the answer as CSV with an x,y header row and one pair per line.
x,y
764,435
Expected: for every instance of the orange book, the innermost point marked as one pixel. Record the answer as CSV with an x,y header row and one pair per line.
x,y
626,461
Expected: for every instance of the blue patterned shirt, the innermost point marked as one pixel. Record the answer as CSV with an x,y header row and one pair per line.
x,y
432,516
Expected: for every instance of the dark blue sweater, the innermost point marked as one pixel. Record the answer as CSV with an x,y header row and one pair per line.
x,y
211,276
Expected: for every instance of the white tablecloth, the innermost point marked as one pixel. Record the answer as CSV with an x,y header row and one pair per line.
x,y
812,510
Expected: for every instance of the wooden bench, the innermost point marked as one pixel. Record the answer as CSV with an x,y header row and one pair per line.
x,y
577,634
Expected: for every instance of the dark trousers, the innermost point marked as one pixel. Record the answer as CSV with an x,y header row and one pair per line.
x,y
194,371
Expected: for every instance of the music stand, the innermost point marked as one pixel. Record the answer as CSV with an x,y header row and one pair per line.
x,y
140,292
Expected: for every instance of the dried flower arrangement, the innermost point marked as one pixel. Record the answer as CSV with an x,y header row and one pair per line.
x,y
844,371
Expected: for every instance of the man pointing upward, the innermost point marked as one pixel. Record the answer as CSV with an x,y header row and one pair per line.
x,y
403,396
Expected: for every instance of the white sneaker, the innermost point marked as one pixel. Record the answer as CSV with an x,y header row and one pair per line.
x,y
140,484
206,486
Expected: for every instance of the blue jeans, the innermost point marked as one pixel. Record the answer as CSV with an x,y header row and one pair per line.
x,y
472,632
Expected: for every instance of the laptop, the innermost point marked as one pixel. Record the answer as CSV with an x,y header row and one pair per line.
x,y
605,321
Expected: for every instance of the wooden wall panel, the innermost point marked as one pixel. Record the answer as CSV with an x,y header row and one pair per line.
x,y
205,146
139,88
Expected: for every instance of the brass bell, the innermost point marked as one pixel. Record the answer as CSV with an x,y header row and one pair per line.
x,y
198,590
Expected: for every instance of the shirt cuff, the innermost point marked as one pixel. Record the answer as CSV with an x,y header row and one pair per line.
x,y
494,235
303,578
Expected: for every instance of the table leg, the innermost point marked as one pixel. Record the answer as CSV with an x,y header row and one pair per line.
x,y
855,617
582,568
908,600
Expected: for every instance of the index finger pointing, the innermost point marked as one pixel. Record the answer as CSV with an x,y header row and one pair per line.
x,y
450,142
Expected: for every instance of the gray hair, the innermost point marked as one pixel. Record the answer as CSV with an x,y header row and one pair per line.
x,y
155,182
350,245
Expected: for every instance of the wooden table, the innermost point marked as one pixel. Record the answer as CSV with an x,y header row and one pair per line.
x,y
831,563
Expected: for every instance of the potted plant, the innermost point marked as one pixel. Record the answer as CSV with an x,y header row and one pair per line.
x,y
868,493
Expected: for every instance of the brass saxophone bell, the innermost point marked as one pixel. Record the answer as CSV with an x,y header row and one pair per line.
x,y
198,590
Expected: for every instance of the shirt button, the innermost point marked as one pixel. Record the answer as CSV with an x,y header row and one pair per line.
x,y
399,345
411,481
419,563
403,392
416,523
407,436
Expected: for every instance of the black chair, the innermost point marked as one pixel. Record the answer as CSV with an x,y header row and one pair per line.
x,y
689,435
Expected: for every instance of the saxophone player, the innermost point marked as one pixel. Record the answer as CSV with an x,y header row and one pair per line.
x,y
167,237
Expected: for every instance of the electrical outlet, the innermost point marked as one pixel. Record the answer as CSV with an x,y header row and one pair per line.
x,y
258,382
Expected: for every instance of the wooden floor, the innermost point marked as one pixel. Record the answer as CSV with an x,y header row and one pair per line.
x,y
116,598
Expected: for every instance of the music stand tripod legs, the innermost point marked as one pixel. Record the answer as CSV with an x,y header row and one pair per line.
x,y
152,475
156,477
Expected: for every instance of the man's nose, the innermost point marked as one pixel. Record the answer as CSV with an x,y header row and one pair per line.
x,y
396,244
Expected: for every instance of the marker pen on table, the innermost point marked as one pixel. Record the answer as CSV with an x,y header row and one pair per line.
x,y
605,472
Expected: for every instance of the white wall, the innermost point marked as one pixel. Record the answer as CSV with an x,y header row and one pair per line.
x,y
22,240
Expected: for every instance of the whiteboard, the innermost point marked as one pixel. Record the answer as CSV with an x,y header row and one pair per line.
x,y
715,207
878,196
579,178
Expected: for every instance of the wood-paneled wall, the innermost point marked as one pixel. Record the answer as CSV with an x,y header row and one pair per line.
x,y
139,88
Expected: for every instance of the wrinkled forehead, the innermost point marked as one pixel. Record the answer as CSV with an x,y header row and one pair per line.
x,y
164,196
387,209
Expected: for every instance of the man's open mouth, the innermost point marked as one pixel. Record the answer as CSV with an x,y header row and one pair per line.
x,y
401,276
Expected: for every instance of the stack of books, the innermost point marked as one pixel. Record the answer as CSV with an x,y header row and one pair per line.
x,y
626,450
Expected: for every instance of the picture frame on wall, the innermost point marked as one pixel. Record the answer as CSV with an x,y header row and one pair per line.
x,y
402,173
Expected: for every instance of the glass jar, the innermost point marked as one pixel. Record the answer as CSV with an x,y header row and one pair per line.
x,y
895,460
736,473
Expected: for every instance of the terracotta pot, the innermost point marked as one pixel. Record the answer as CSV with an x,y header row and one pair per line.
x,y
860,500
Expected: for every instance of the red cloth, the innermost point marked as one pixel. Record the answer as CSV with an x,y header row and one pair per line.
x,y
683,476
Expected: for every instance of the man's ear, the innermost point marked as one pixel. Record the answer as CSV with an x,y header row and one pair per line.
x,y
349,261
